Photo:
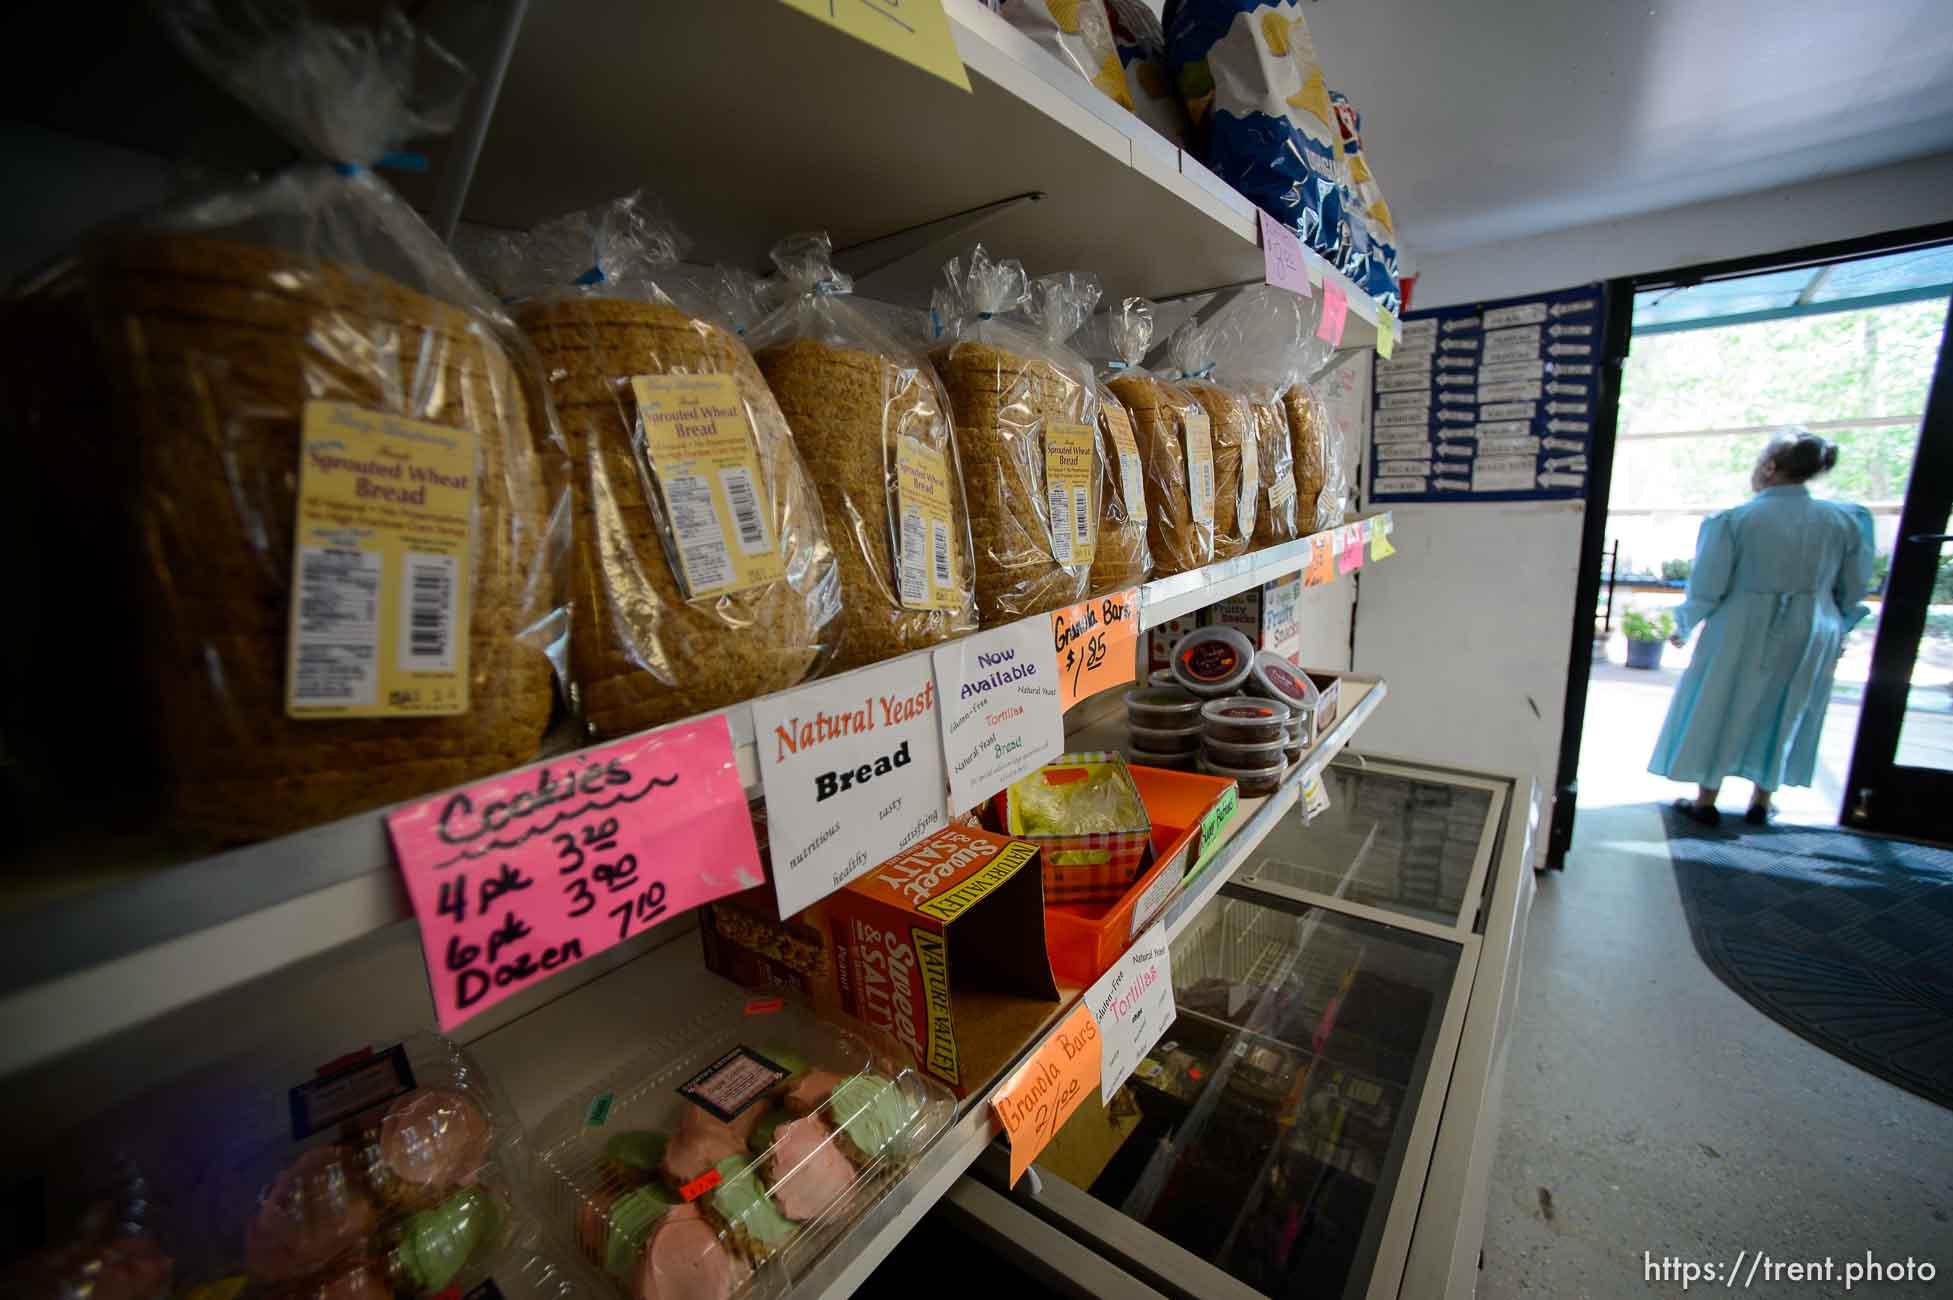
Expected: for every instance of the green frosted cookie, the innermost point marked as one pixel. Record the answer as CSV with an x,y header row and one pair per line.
x,y
742,1202
761,1140
436,1243
637,1149
631,1218
786,1058
872,1111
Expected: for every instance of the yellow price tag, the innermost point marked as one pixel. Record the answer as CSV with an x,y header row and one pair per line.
x,y
1386,334
915,31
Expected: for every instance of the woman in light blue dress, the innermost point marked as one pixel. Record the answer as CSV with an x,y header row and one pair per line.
x,y
1777,584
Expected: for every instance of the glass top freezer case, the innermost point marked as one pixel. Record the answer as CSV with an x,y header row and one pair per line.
x,y
1275,1140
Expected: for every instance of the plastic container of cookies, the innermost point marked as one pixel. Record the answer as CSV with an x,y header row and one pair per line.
x,y
1245,720
727,1158
1164,740
1213,661
1256,756
1254,782
1164,707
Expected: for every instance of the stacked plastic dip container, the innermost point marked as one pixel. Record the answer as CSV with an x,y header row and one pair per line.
x,y
1221,709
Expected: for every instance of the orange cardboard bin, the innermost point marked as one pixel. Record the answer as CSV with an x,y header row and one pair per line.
x,y
1086,938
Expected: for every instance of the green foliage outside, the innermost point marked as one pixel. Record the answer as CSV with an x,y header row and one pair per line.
x,y
1639,625
1676,570
1870,363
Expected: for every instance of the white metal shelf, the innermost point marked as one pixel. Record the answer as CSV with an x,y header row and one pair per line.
x,y
135,949
824,132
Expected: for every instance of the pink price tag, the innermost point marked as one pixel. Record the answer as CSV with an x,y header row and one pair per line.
x,y
1349,547
1335,314
538,869
1281,254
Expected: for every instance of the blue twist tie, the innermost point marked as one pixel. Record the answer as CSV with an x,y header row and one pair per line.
x,y
985,315
595,275
398,161
1118,365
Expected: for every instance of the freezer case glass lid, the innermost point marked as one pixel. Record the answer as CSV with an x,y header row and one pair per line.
x,y
1415,842
1272,1117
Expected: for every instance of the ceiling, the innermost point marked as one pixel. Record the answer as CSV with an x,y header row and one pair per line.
x,y
1497,120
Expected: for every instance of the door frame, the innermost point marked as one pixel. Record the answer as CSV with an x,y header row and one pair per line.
x,y
1593,537
1881,794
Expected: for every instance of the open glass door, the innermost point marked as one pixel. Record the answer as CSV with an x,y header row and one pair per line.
x,y
1902,765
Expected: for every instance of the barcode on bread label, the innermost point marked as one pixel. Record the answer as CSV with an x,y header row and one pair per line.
x,y
1200,467
1061,533
697,439
939,554
427,613
701,542
745,509
380,566
1081,515
336,636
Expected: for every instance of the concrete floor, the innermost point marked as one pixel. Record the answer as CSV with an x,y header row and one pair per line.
x,y
1648,1108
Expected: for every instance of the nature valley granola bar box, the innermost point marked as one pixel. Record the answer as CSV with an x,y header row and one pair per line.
x,y
939,953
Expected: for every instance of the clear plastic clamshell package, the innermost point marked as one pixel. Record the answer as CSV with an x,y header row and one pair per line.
x,y
1060,305
702,573
1080,33
340,496
1025,412
383,1176
724,1161
1231,425
871,414
1176,448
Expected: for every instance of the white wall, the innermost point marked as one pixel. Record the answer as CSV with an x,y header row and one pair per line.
x,y
1846,206
1468,623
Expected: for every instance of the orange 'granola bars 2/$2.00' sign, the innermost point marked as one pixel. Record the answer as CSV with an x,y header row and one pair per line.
x,y
1037,1100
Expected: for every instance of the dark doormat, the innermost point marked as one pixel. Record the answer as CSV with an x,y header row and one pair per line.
x,y
1843,939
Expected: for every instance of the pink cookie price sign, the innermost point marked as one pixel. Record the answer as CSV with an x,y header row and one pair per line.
x,y
532,871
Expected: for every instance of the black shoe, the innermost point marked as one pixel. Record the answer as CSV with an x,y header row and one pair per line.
x,y
1760,816
1696,813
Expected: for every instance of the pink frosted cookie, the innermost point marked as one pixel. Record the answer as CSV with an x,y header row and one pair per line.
x,y
315,1211
805,1170
809,1091
685,1260
430,1140
703,1140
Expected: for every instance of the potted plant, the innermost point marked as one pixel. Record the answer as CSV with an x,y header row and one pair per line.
x,y
1645,634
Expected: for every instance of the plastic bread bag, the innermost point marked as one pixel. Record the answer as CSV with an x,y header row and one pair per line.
x,y
347,495
1231,424
1322,461
1025,413
1061,306
1174,442
869,412
1261,344
703,573
1248,73
1141,42
1176,448
1079,33
731,1156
